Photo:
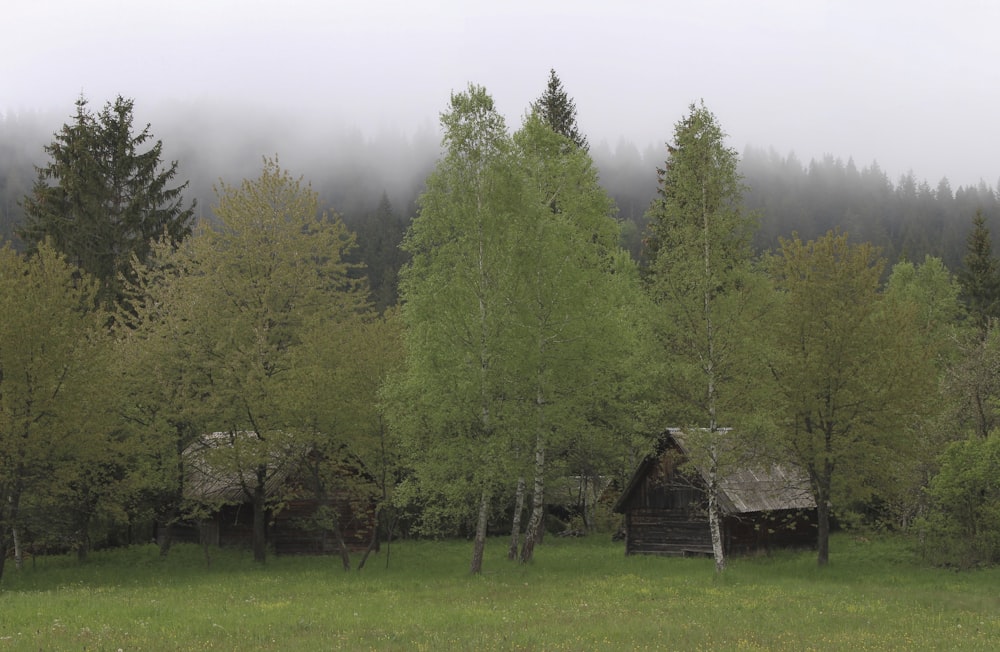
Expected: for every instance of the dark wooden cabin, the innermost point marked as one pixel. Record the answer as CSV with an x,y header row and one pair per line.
x,y
763,506
299,514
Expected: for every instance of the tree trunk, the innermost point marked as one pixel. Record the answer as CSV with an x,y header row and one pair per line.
x,y
166,539
515,527
586,508
824,485
480,543
18,552
823,526
345,555
165,535
389,530
172,512
9,514
83,533
372,542
203,537
260,517
83,547
714,519
533,532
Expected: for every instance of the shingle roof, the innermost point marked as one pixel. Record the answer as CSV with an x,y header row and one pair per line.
x,y
220,466
756,487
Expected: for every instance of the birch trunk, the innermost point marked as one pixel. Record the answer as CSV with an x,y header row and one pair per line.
x,y
9,514
515,527
18,552
532,534
714,518
480,543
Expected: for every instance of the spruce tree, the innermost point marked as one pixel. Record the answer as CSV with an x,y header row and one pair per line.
x,y
103,199
980,276
558,111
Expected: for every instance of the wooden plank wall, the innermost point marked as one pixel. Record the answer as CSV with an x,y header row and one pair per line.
x,y
666,532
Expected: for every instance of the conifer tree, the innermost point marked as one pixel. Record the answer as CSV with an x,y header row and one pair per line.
x,y
558,111
980,276
102,198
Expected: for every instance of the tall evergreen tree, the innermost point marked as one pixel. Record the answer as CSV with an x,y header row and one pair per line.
x,y
980,276
379,237
102,198
558,111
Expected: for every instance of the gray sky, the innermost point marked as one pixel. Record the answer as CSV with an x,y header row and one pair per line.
x,y
911,84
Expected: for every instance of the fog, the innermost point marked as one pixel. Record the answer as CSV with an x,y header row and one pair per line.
x,y
910,85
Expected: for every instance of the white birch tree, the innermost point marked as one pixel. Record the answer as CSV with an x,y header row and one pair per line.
x,y
456,300
700,276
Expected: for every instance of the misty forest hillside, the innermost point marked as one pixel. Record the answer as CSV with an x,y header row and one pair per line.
x,y
560,301
373,183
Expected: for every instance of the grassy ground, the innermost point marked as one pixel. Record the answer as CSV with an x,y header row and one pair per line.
x,y
578,595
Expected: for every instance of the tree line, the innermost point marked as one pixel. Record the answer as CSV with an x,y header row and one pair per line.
x,y
529,343
368,178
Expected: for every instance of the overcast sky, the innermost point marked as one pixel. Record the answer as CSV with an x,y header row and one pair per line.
x,y
911,84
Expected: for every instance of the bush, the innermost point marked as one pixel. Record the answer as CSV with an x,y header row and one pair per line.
x,y
963,525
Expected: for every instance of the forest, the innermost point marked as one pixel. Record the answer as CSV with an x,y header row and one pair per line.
x,y
446,339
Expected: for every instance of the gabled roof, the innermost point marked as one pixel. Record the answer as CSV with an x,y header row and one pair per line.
x,y
219,465
757,487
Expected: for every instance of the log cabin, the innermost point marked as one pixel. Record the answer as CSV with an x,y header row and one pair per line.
x,y
763,505
301,506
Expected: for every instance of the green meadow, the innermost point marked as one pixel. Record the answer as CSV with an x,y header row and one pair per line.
x,y
578,595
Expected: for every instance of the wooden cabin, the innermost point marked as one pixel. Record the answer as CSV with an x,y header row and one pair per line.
x,y
763,506
301,507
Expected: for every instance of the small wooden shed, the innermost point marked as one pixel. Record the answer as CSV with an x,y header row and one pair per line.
x,y
297,509
763,505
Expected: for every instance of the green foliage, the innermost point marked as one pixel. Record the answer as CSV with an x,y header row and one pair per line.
x,y
980,276
237,312
698,198
851,376
379,237
928,293
709,299
451,401
55,434
963,526
102,200
972,383
558,111
515,307
932,289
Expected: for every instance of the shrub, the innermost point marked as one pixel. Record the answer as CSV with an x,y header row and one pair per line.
x,y
962,527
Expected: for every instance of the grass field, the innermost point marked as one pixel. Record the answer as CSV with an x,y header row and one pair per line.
x,y
577,595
